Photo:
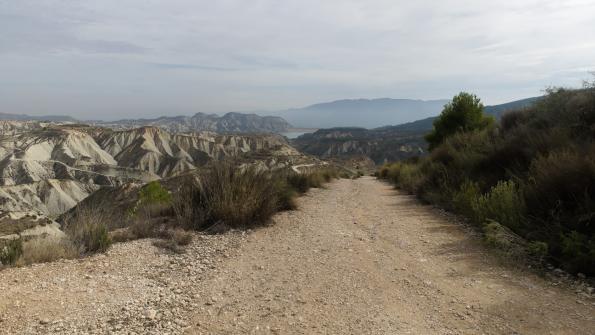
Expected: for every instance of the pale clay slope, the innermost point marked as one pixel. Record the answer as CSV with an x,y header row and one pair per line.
x,y
49,170
356,258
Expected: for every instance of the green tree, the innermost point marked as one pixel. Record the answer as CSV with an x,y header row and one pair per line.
x,y
463,113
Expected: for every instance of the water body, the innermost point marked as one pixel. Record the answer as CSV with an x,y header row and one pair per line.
x,y
295,133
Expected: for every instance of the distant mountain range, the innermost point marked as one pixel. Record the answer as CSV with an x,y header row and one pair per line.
x,y
25,117
383,144
228,123
496,111
365,113
408,115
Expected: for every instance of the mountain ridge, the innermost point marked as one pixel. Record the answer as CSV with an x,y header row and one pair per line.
x,y
367,113
382,144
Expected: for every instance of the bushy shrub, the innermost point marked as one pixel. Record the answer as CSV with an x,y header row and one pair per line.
x,y
464,113
91,237
46,249
285,194
225,196
562,182
180,236
578,252
231,196
503,204
537,250
153,193
299,182
89,229
154,201
143,225
329,174
302,182
10,251
174,240
534,174
465,200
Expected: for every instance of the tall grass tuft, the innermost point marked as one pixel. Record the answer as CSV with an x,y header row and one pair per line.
x,y
88,229
226,195
47,249
10,251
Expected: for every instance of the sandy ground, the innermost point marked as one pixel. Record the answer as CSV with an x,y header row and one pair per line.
x,y
356,258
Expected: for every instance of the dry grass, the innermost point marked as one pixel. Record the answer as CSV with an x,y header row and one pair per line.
x,y
226,195
88,229
42,250
176,241
10,251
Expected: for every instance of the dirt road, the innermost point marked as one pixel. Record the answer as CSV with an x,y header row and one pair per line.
x,y
356,258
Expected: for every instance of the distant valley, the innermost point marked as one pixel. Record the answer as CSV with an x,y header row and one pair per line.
x,y
46,169
365,113
383,144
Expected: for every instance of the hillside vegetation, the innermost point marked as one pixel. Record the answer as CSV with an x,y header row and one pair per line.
x,y
388,143
221,196
532,175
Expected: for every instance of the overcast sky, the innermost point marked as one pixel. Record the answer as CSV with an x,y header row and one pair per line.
x,y
130,58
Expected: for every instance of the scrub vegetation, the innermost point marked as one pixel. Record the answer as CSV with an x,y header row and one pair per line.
x,y
533,174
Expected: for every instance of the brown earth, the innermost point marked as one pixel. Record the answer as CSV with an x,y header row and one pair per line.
x,y
356,258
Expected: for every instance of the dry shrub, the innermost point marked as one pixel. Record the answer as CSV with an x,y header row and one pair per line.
x,y
286,194
10,251
144,224
122,235
226,195
299,182
180,236
88,229
505,240
176,240
46,249
183,200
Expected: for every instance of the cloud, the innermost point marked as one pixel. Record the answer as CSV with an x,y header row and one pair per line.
x,y
154,57
173,66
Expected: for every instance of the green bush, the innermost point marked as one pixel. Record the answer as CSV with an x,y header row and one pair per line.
x,y
534,174
10,251
464,113
538,250
154,193
91,237
503,204
507,243
465,200
578,251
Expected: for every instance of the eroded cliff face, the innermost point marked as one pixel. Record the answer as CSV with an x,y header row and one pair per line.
x,y
378,144
228,123
48,169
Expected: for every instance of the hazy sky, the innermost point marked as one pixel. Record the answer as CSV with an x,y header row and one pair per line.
x,y
129,58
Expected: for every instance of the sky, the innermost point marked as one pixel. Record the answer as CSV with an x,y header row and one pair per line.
x,y
111,59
